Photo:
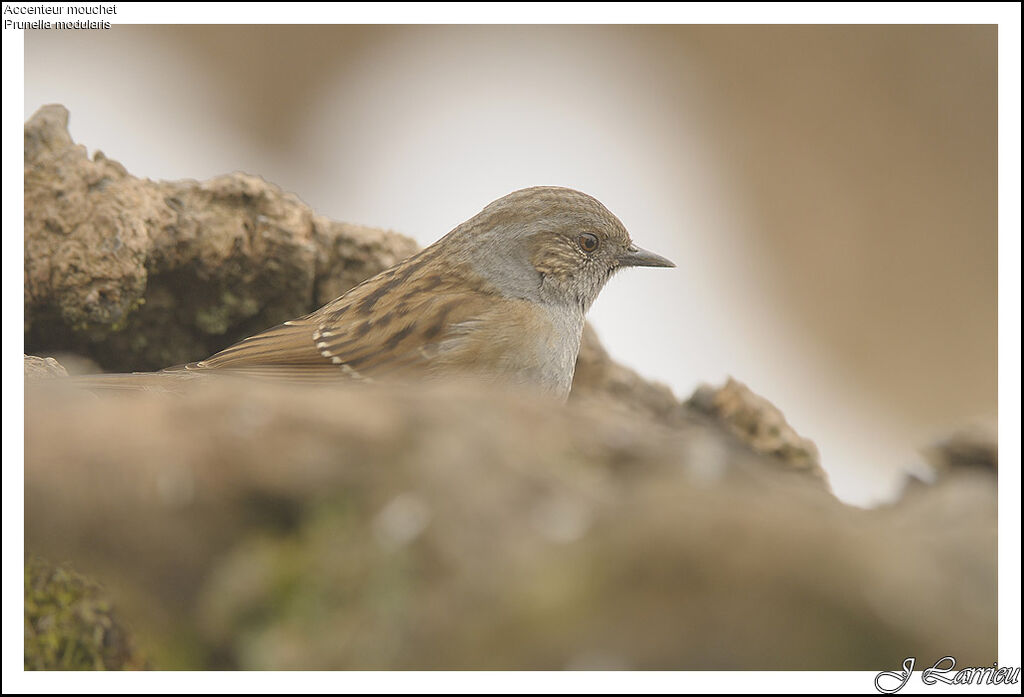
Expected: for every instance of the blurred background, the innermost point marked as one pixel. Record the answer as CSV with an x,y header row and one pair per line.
x,y
828,193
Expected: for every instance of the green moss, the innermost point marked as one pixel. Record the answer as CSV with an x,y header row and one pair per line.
x,y
121,323
107,324
70,624
217,319
323,594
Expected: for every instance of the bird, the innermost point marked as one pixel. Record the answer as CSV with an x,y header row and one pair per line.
x,y
502,297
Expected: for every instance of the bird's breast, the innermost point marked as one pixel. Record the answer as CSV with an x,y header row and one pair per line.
x,y
527,343
554,349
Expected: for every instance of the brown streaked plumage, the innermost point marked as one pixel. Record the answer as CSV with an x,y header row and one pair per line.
x,y
501,296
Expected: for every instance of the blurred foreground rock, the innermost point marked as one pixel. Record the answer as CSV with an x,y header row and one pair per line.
x,y
971,452
352,526
972,448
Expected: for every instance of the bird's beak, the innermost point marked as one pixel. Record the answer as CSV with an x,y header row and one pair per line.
x,y
634,256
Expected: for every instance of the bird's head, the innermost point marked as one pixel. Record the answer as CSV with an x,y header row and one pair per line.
x,y
549,244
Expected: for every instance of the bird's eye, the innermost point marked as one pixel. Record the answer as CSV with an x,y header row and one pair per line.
x,y
587,242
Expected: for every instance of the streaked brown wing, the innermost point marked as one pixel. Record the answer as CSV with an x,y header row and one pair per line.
x,y
400,320
290,343
411,336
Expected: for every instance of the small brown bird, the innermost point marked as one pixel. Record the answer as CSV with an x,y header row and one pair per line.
x,y
502,296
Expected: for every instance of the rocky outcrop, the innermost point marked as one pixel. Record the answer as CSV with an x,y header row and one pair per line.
x,y
140,275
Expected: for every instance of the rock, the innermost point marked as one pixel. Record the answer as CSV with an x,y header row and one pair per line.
x,y
140,275
974,447
449,526
70,623
36,367
759,423
76,364
599,377
967,455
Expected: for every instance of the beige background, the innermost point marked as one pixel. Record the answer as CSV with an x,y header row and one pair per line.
x,y
829,193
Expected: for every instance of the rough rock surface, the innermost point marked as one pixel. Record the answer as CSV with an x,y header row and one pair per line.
x,y
140,275
759,424
36,367
258,525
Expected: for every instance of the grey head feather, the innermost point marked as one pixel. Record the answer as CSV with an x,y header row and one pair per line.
x,y
525,244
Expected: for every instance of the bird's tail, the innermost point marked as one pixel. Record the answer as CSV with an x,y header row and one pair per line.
x,y
171,380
